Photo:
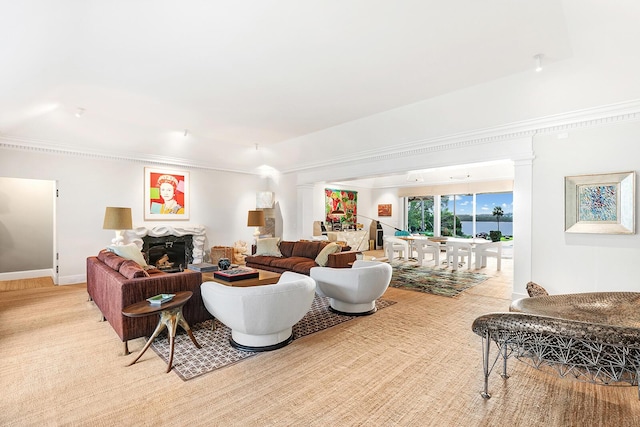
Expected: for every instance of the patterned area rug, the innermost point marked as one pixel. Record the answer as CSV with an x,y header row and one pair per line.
x,y
216,352
408,275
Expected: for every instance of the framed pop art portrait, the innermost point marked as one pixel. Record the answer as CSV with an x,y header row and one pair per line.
x,y
603,204
166,194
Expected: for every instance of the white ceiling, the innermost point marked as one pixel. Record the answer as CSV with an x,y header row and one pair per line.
x,y
245,72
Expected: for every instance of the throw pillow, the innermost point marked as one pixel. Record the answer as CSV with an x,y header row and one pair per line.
x,y
131,270
268,247
114,261
129,251
323,256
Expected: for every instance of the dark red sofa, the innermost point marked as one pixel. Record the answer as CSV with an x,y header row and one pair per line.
x,y
111,291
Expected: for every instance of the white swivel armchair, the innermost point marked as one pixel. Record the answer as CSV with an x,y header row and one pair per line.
x,y
391,245
484,250
353,291
261,318
426,246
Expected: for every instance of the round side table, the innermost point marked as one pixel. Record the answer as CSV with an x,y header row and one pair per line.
x,y
170,317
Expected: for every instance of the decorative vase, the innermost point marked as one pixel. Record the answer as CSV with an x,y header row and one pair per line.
x,y
224,263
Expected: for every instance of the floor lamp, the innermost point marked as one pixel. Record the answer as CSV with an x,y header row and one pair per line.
x,y
117,219
379,222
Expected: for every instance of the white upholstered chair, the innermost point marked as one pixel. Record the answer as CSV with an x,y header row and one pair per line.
x,y
457,252
391,245
353,291
426,246
261,318
484,250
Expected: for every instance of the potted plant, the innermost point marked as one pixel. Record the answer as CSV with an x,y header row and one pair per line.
x,y
495,235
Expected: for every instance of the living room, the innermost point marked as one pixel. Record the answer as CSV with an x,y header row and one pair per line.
x,y
578,116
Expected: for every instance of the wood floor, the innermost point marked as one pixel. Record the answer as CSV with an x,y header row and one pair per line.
x,y
14,285
416,363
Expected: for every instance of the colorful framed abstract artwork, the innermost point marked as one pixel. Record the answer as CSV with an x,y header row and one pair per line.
x,y
603,204
340,206
384,210
166,194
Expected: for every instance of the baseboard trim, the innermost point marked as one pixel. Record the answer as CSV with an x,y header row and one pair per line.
x,y
72,280
29,274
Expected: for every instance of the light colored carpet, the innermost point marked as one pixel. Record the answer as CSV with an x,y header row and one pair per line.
x,y
415,363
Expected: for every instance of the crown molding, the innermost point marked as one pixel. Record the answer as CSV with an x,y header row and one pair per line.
x,y
564,122
579,119
25,144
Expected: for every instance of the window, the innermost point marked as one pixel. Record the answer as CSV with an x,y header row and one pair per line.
x,y
454,209
462,215
486,220
420,215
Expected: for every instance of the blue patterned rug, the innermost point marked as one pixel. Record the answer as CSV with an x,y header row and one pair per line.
x,y
448,283
216,352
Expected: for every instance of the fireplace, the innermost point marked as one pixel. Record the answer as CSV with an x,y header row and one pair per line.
x,y
168,253
181,245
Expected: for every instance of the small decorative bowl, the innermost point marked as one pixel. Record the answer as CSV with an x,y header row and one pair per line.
x,y
224,263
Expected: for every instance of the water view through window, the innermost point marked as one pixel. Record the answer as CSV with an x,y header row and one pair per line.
x,y
493,212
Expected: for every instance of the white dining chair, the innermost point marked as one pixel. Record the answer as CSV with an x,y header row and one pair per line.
x,y
484,250
456,253
391,245
426,246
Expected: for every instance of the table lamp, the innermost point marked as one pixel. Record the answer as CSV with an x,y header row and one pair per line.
x,y
256,219
118,219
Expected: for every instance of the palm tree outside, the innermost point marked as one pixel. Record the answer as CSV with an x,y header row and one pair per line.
x,y
497,212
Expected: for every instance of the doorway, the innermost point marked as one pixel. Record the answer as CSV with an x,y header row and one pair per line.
x,y
27,228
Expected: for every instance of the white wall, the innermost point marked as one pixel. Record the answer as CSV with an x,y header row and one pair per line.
x,y
387,196
219,201
564,262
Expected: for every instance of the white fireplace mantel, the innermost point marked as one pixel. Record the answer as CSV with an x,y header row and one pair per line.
x,y
197,231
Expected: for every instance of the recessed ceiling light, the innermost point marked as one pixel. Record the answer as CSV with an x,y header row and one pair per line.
x,y
415,177
538,59
460,177
80,112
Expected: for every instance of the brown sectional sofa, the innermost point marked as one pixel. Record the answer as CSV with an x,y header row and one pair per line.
x,y
299,257
114,283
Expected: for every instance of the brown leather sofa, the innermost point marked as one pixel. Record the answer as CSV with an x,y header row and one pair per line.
x,y
114,283
299,257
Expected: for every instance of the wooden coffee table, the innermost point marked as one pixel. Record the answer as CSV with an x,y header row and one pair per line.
x,y
265,278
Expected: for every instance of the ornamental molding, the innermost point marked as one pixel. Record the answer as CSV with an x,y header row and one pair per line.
x,y
564,122
559,123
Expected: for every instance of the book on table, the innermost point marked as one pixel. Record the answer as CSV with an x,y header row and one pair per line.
x,y
240,273
203,267
160,298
